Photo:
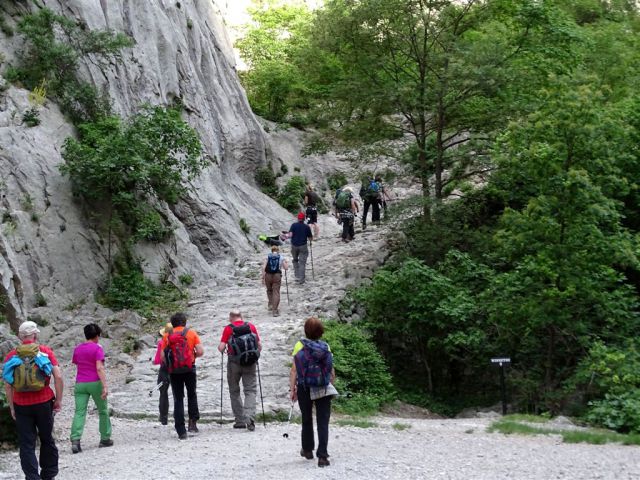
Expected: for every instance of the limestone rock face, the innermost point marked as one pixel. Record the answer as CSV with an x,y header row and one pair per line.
x,y
51,250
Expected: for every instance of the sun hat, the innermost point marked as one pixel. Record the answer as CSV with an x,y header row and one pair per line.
x,y
28,328
166,329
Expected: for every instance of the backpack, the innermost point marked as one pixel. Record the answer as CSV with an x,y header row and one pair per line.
x,y
314,363
178,357
28,377
343,201
273,263
243,345
370,189
313,198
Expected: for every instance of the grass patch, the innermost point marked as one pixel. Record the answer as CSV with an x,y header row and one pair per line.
x,y
356,422
591,436
400,426
523,417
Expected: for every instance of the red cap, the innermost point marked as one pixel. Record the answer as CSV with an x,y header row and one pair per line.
x,y
301,216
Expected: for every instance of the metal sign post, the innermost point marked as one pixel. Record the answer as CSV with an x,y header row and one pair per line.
x,y
503,389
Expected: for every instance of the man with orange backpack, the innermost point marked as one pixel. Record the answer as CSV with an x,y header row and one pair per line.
x,y
27,373
181,347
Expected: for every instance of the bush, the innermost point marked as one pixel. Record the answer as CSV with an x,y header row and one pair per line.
x,y
31,117
266,180
360,369
291,195
336,180
8,432
619,411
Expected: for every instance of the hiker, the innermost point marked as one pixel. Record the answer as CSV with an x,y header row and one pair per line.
x,y
241,341
346,208
384,195
272,278
312,367
371,195
91,382
311,201
163,378
181,347
272,240
299,233
27,372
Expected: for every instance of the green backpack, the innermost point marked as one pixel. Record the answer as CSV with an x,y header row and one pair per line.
x,y
343,202
28,377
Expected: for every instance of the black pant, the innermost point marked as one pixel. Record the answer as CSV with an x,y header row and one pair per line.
x,y
32,421
375,211
178,382
348,232
323,414
163,404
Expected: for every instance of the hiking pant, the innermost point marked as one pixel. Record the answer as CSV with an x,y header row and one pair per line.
x,y
375,211
348,232
163,403
273,281
299,255
323,414
178,382
82,392
31,421
244,412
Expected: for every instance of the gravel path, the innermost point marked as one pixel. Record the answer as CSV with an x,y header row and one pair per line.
x,y
396,448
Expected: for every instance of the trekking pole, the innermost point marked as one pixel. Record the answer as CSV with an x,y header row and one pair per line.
x,y
286,434
155,388
221,384
286,283
264,420
313,273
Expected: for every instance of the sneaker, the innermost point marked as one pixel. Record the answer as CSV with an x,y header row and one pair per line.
x,y
182,436
251,426
308,454
239,425
105,443
192,426
323,462
276,313
163,420
75,446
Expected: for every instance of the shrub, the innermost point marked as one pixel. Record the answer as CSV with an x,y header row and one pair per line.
x,y
619,411
8,432
336,180
31,117
291,195
186,279
41,300
244,226
360,369
266,180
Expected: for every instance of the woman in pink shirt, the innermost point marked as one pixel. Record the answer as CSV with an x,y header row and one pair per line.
x,y
91,381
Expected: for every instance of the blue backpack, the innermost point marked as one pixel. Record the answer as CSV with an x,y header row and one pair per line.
x,y
314,363
273,263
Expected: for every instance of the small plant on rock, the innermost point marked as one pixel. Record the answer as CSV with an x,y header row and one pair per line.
x,y
31,117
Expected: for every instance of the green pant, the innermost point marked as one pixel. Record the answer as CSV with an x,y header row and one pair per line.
x,y
82,393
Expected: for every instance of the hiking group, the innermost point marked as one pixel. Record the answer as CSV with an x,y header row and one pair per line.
x,y
29,368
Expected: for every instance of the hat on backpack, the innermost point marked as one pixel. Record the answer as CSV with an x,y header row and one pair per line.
x,y
166,329
301,216
28,328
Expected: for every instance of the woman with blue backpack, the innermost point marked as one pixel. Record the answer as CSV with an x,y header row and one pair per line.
x,y
310,382
272,269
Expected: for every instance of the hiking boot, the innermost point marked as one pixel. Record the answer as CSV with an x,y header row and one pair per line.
x,y
105,443
182,436
239,425
364,226
251,426
163,420
308,454
75,446
323,462
276,313
192,426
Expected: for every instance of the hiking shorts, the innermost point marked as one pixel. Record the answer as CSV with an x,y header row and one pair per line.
x,y
312,215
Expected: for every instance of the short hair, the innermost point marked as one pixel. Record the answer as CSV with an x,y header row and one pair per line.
x,y
92,330
313,328
178,320
235,313
378,178
275,248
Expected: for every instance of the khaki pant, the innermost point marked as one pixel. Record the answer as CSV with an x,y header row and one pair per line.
x,y
273,281
244,412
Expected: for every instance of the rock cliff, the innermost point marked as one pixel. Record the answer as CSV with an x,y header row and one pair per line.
x,y
50,249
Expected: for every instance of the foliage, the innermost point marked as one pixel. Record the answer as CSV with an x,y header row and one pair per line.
x,y
336,180
8,432
130,164
31,117
186,279
619,411
244,226
129,289
41,300
360,370
55,45
291,195
266,180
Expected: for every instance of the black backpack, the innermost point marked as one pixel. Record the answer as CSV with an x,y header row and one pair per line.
x,y
243,345
273,263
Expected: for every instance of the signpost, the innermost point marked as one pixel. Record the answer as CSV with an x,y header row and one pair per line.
x,y
502,361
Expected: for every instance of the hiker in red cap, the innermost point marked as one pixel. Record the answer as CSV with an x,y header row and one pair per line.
x,y
299,233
